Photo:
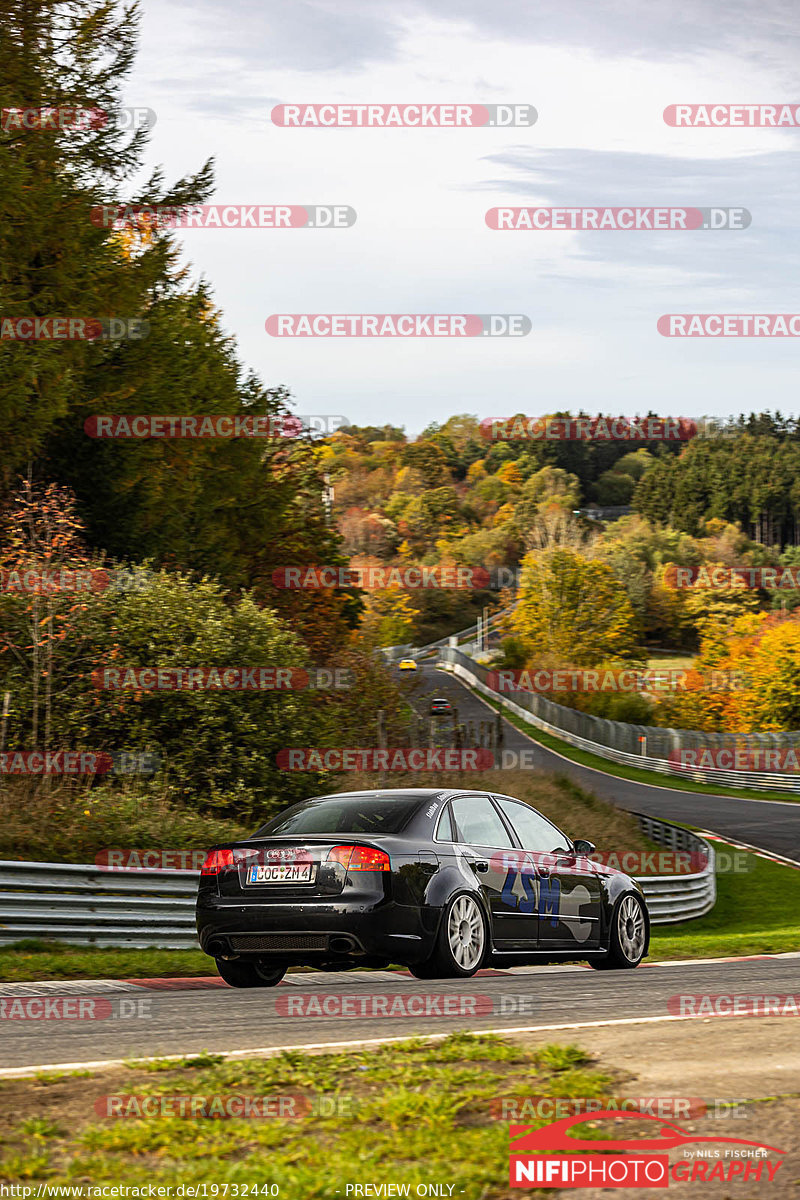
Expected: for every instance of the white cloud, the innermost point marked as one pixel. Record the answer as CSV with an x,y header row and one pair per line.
x,y
421,244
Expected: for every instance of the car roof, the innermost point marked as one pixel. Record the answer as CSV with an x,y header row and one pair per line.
x,y
423,793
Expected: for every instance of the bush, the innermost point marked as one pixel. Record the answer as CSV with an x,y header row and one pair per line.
x,y
515,654
216,747
74,823
613,706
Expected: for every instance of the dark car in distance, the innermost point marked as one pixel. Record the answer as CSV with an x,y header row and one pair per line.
x,y
443,881
441,707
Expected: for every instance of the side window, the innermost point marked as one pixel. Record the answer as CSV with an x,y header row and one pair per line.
x,y
444,830
478,822
532,829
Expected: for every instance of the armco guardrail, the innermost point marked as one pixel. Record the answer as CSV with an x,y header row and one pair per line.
x,y
619,742
678,897
85,905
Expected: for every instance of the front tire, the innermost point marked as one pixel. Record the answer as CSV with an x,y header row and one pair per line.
x,y
240,974
628,936
462,942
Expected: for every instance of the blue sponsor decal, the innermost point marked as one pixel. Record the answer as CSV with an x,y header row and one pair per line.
x,y
550,899
527,905
549,902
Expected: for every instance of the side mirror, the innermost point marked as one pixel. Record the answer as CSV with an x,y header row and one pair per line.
x,y
583,848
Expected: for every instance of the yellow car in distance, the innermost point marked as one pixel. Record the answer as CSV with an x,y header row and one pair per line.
x,y
407,664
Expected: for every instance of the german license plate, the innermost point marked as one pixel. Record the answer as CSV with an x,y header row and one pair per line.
x,y
281,873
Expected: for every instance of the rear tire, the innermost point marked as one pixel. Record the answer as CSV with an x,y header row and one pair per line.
x,y
462,942
242,974
628,936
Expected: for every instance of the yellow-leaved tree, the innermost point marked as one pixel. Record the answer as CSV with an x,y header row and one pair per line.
x,y
573,610
763,660
390,617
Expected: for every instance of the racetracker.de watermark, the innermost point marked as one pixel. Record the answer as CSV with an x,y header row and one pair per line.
x,y
403,758
225,679
211,1106
587,429
48,581
554,1108
373,578
149,860
720,116
223,216
78,762
141,426
724,578
375,1005
747,325
706,1004
584,428
737,758
637,863
545,680
402,116
193,860
73,329
623,218
75,1008
370,758
69,118
398,325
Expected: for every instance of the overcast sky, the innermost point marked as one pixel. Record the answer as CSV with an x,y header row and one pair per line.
x,y
600,76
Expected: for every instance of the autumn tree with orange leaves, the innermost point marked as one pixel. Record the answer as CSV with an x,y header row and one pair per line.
x,y
42,540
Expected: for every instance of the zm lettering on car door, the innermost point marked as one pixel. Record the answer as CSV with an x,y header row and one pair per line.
x,y
568,895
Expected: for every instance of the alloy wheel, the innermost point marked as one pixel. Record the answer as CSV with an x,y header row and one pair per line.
x,y
630,925
465,933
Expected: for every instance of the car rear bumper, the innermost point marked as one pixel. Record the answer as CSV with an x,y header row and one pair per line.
x,y
313,933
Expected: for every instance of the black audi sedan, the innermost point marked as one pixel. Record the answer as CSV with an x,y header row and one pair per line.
x,y
443,881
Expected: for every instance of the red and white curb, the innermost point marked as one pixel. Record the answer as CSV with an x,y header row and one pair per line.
x,y
769,855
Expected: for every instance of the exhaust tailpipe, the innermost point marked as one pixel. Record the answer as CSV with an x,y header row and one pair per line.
x,y
342,944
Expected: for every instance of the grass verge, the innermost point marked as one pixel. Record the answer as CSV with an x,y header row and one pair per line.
x,y
33,959
757,912
414,1113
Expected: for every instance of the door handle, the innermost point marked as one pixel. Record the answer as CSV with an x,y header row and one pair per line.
x,y
480,864
544,872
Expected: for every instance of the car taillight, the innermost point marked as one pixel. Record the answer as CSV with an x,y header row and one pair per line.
x,y
360,858
216,861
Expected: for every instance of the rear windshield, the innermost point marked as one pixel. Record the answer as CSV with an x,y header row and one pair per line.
x,y
344,814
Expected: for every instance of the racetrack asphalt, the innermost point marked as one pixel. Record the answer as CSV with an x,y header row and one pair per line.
x,y
319,1010
770,825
